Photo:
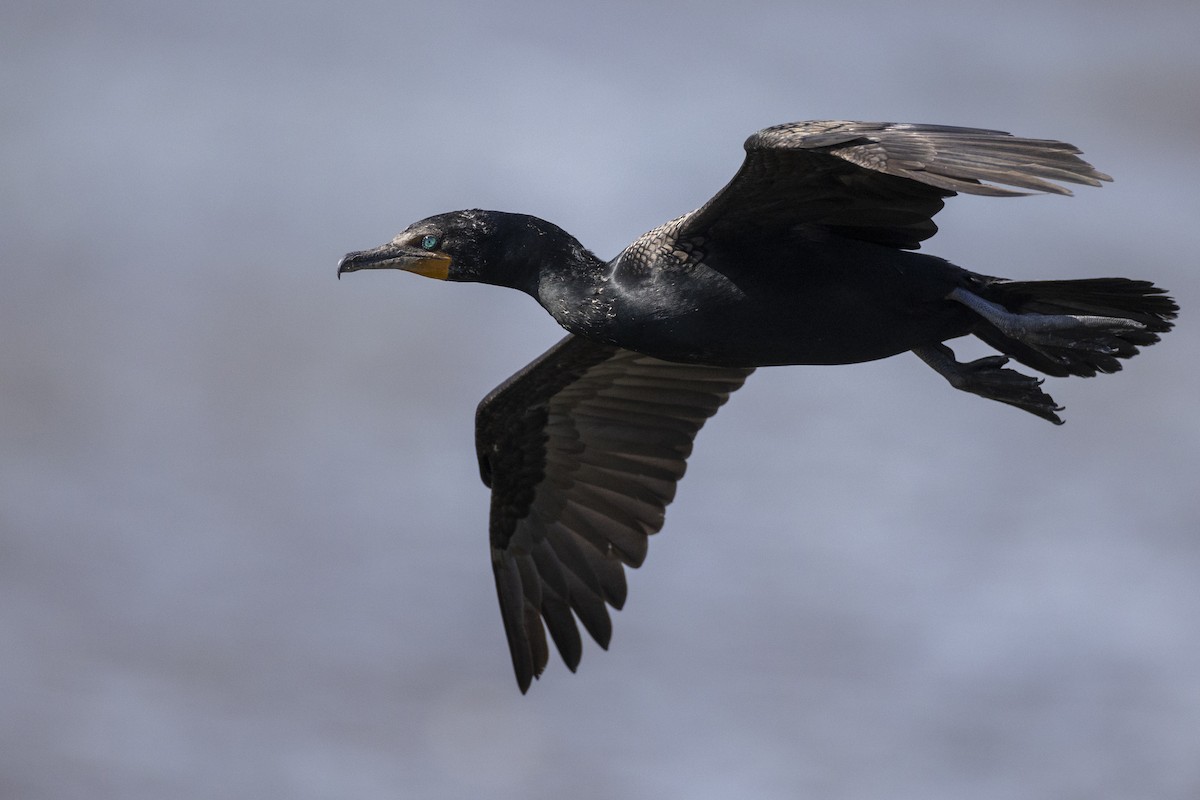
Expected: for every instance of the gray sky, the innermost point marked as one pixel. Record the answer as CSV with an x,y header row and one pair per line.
x,y
242,537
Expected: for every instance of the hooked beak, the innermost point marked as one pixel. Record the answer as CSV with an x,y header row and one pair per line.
x,y
397,256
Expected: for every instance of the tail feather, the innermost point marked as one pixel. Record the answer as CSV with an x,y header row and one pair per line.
x,y
1114,316
1140,301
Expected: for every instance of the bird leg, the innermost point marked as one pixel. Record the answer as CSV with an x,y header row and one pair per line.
x,y
987,377
1050,334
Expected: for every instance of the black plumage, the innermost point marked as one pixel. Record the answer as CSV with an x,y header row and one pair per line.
x,y
805,257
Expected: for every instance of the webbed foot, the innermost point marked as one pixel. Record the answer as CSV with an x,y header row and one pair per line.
x,y
988,377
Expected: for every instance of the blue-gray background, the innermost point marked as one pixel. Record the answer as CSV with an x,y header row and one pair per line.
x,y
243,539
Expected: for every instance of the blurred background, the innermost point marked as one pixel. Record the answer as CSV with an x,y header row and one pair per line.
x,y
242,536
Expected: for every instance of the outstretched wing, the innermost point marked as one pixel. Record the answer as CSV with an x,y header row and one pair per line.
x,y
582,450
879,182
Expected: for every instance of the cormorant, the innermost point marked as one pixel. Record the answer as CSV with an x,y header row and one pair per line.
x,y
805,257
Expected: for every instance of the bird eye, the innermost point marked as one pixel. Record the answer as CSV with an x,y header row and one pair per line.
x,y
429,242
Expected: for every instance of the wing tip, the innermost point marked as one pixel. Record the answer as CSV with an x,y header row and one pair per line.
x,y
1033,166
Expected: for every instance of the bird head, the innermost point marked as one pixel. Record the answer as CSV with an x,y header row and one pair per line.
x,y
445,246
481,246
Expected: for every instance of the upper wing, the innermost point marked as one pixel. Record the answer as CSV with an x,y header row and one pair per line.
x,y
879,182
582,450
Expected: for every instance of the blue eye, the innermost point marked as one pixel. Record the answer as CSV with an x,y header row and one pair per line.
x,y
429,242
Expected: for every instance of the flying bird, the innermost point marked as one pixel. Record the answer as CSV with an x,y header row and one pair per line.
x,y
807,256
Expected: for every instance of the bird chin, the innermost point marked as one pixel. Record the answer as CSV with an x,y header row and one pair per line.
x,y
437,266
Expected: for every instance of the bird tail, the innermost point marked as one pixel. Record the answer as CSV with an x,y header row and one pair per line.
x,y
1073,327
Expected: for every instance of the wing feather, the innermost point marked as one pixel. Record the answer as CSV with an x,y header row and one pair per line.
x,y
880,182
582,450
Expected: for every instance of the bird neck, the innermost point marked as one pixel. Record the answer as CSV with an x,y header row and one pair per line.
x,y
572,284
520,250
544,261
